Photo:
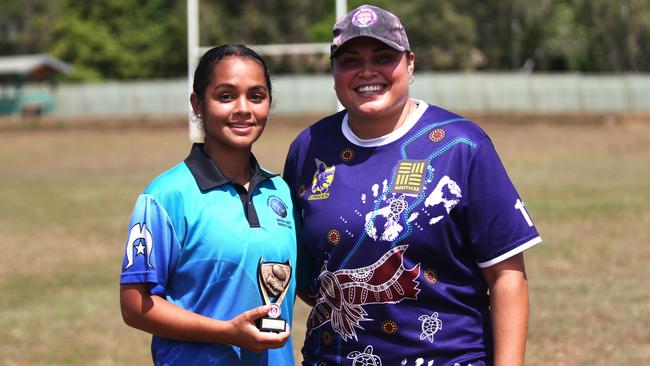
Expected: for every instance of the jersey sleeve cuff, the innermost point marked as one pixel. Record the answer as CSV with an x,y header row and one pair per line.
x,y
142,277
534,241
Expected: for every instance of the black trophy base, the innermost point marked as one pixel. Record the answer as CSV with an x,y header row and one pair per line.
x,y
266,324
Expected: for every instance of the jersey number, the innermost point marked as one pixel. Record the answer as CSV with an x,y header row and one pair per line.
x,y
520,206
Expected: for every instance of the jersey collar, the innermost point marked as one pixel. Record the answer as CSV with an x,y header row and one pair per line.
x,y
208,175
410,121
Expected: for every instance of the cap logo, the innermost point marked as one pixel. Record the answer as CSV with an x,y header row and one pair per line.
x,y
364,18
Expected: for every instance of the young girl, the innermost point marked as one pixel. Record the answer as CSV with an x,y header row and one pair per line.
x,y
411,225
199,231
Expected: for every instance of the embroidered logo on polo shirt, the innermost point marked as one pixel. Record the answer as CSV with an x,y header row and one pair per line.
x,y
410,177
322,180
277,206
280,208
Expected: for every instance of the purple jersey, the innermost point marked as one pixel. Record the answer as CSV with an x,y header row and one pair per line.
x,y
395,232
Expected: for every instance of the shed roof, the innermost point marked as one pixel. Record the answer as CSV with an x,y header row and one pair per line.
x,y
32,65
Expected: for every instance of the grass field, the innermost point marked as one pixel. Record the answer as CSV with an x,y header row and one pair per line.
x,y
66,196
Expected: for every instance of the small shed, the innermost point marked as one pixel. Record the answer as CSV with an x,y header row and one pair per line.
x,y
27,83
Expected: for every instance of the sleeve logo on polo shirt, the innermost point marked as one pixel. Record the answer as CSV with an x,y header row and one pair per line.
x,y
140,241
280,208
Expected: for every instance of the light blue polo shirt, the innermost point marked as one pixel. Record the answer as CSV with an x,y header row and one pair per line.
x,y
197,238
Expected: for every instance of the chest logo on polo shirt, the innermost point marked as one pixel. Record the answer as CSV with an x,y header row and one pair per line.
x,y
409,179
322,180
277,205
280,208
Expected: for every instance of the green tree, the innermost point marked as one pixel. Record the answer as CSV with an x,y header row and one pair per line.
x,y
443,36
561,44
269,22
118,39
617,32
124,39
24,26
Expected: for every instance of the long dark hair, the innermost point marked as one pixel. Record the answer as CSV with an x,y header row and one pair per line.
x,y
213,56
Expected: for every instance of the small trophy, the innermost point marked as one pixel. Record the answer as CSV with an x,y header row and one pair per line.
x,y
273,278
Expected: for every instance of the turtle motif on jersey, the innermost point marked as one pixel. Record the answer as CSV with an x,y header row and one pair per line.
x,y
397,206
391,213
364,359
430,325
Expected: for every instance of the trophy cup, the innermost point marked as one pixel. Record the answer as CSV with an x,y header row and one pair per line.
x,y
273,279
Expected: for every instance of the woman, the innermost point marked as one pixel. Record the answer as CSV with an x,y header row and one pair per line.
x,y
200,230
409,220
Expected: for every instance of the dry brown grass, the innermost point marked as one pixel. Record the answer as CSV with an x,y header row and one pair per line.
x,y
66,194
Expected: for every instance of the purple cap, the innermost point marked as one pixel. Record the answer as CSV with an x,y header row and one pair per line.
x,y
370,21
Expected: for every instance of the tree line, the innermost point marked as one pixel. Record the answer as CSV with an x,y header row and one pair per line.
x,y
129,39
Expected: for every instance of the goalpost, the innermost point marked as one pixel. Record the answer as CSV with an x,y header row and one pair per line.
x,y
194,52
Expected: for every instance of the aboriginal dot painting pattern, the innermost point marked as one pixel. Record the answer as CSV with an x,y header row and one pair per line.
x,y
408,229
333,237
430,275
327,338
437,135
389,327
347,155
